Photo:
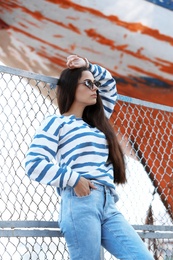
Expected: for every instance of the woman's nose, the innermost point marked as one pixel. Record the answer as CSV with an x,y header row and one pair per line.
x,y
95,87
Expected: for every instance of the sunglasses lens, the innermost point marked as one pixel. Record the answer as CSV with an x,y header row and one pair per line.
x,y
97,83
89,84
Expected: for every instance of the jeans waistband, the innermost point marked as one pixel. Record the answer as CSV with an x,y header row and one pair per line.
x,y
101,186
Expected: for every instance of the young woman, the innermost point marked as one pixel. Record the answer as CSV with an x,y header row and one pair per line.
x,y
89,162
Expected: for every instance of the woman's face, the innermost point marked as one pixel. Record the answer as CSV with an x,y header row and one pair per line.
x,y
84,95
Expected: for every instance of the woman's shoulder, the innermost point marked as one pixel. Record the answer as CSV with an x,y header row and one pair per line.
x,y
61,119
51,124
52,119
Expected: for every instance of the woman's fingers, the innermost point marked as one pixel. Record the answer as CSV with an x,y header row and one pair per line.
x,y
83,187
92,185
74,61
70,60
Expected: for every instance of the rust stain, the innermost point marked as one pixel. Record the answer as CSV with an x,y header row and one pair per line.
x,y
139,88
73,28
150,74
36,38
72,47
32,49
3,25
168,67
133,27
39,16
23,25
72,18
124,48
58,36
8,6
92,33
32,23
53,59
100,38
11,6
139,51
36,15
146,93
67,4
91,50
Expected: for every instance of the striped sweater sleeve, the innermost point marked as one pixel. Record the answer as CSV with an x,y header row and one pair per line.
x,y
39,163
107,90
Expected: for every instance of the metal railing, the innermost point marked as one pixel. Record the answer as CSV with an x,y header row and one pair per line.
x,y
51,229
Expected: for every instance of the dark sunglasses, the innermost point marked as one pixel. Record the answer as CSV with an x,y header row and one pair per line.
x,y
90,84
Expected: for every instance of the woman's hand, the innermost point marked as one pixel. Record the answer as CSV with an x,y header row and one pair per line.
x,y
74,61
83,187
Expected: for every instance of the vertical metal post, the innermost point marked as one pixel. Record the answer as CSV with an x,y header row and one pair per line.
x,y
102,253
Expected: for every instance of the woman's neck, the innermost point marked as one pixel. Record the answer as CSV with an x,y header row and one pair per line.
x,y
69,113
76,111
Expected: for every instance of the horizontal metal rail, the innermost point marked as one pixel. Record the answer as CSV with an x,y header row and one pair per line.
x,y
28,74
144,103
54,81
51,229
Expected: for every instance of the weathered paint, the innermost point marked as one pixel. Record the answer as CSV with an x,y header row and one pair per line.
x,y
91,32
3,25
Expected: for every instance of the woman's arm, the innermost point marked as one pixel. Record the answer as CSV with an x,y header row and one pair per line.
x,y
39,163
107,90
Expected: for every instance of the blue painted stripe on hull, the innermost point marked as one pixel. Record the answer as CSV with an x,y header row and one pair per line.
x,y
163,3
152,82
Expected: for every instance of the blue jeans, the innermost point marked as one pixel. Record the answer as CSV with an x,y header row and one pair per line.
x,y
91,221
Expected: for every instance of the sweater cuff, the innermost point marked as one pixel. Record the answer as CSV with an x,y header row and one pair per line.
x,y
74,178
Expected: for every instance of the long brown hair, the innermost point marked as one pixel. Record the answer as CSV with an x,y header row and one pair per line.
x,y
93,115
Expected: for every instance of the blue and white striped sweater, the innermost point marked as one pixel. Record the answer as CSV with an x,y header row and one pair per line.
x,y
65,147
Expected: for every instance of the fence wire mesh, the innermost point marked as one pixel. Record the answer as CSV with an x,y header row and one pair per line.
x,y
145,133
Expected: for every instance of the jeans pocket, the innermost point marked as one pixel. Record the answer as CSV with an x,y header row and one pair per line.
x,y
81,197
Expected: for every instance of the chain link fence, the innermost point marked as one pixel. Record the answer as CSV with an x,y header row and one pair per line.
x,y
145,133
